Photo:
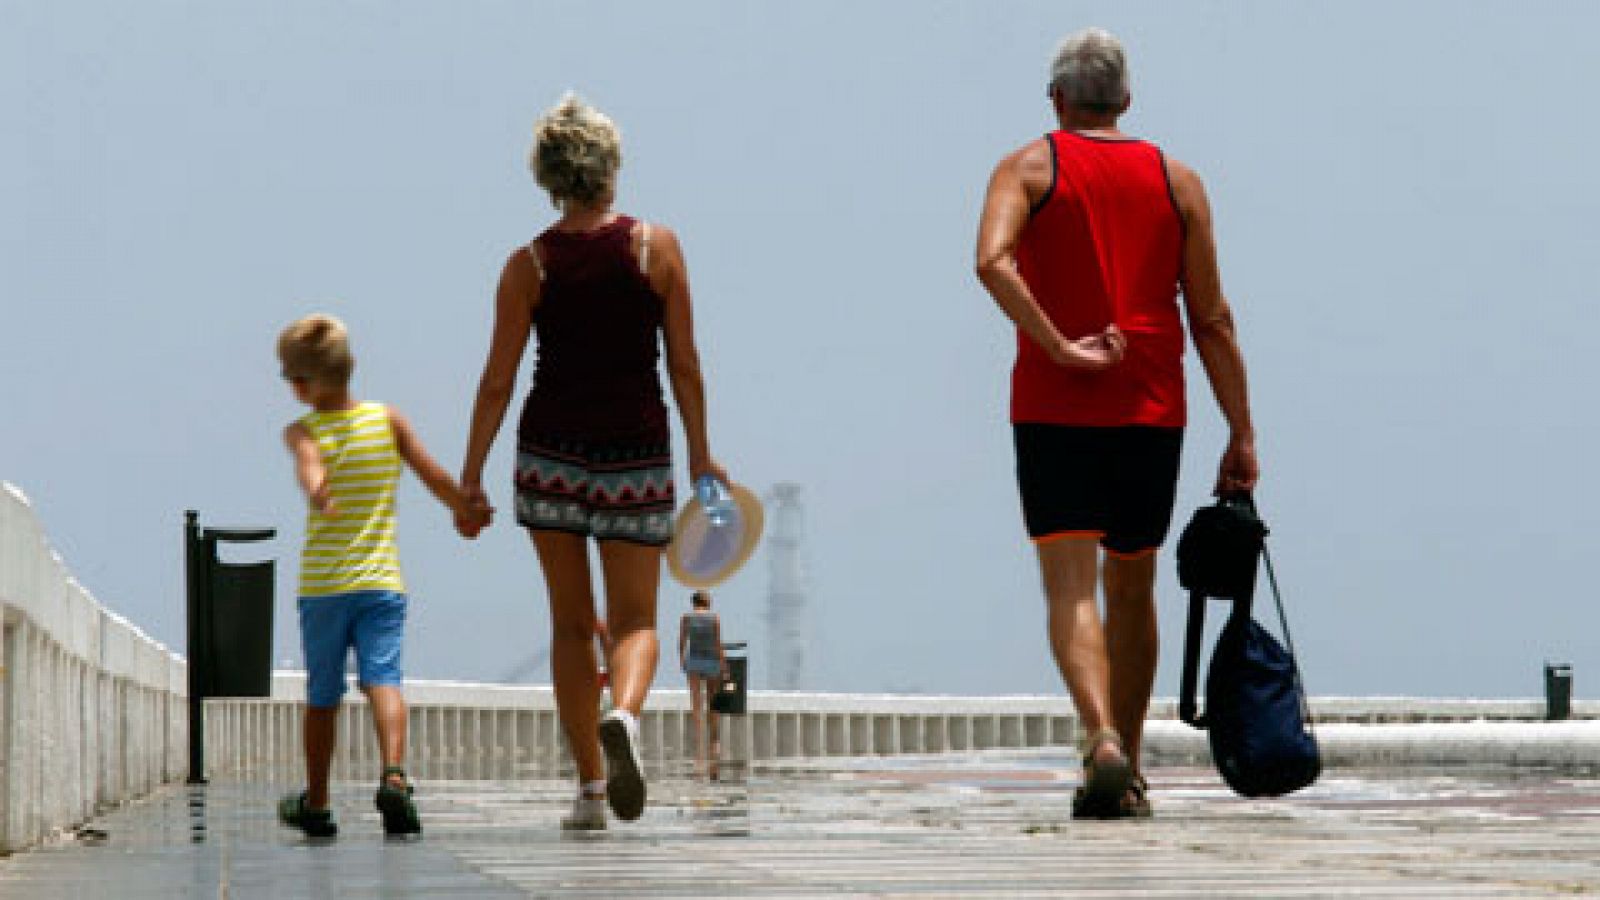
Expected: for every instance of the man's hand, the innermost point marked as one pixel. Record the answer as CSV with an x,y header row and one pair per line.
x,y
1240,470
1095,352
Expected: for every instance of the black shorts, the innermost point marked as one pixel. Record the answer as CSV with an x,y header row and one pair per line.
x,y
1114,483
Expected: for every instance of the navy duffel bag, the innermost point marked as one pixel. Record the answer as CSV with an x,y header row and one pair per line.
x,y
1256,716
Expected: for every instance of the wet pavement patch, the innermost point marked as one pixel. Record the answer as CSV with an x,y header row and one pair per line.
x,y
993,824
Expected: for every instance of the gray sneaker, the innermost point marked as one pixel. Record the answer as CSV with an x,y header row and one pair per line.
x,y
588,813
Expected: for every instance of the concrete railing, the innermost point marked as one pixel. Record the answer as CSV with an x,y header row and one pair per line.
x,y
91,710
480,731
474,731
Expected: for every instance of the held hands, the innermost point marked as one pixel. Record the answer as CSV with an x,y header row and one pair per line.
x,y
476,514
1094,352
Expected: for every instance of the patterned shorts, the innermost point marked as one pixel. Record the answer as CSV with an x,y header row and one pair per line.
x,y
610,490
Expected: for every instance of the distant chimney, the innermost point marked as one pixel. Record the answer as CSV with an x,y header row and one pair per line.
x,y
786,603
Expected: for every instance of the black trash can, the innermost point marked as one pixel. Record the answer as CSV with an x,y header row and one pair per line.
x,y
241,629
229,633
1557,691
730,696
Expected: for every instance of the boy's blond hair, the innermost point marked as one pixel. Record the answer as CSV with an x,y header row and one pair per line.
x,y
317,348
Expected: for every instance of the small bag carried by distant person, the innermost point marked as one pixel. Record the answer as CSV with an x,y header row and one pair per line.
x,y
1256,717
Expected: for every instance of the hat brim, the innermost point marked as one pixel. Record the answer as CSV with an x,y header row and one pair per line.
x,y
691,522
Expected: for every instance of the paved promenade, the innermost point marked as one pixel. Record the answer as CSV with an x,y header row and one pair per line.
x,y
989,825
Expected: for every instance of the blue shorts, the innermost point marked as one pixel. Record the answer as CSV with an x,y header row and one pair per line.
x,y
706,668
369,621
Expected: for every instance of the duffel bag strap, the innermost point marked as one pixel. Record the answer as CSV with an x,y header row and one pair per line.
x,y
1288,641
1191,661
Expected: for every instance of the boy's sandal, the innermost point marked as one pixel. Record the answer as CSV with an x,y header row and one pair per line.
x,y
1104,781
295,812
395,804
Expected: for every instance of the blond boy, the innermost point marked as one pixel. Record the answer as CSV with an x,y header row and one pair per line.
x,y
348,456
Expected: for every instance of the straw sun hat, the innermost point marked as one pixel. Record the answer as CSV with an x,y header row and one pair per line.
x,y
702,555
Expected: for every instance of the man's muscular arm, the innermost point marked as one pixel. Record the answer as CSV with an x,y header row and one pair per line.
x,y
1211,326
1018,180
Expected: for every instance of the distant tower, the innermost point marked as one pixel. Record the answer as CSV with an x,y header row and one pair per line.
x,y
786,604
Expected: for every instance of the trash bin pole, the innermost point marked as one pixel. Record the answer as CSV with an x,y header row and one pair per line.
x,y
195,577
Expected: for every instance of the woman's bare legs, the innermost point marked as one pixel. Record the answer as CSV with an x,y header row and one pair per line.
x,y
632,576
565,561
697,708
714,754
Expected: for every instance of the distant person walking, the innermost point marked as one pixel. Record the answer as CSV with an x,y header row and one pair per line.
x,y
701,657
348,456
1086,239
599,290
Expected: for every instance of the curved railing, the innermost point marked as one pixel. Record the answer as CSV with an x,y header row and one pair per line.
x,y
91,709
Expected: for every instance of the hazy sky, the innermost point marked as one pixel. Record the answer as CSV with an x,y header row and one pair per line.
x,y
1406,205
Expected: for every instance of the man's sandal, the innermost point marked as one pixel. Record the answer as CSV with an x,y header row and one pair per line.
x,y
1105,782
1136,802
295,812
395,804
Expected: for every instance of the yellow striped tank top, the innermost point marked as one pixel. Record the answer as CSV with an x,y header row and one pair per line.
x,y
353,549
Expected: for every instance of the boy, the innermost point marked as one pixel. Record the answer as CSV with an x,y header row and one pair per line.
x,y
348,457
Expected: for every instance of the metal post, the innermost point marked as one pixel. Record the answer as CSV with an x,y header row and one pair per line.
x,y
195,575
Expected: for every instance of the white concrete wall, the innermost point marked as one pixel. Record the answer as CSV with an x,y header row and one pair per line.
x,y
91,709
472,731
1567,745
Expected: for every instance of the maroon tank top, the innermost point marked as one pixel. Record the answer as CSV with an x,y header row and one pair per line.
x,y
598,327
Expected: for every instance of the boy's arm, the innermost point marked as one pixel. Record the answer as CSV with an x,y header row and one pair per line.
x,y
683,638
439,482
309,469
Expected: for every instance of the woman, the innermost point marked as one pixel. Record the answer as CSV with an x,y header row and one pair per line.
x,y
599,290
701,658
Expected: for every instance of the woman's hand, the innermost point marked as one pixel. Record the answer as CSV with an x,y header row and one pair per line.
x,y
707,466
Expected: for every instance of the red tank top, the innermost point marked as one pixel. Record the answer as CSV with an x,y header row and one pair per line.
x,y
1104,245
598,326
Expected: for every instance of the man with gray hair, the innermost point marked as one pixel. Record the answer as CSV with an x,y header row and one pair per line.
x,y
1086,240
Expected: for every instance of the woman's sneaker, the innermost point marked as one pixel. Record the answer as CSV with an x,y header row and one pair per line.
x,y
588,813
295,812
619,738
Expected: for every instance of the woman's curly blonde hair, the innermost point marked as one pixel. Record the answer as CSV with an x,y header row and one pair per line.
x,y
576,153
